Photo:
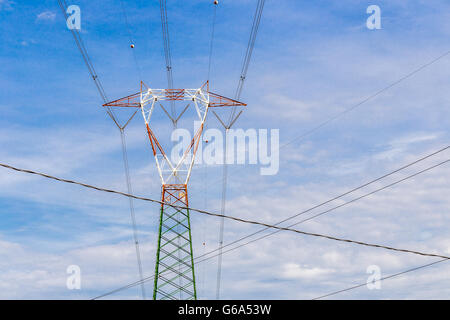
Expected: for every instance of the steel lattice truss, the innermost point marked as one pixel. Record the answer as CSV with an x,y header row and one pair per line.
x,y
149,99
174,252
174,274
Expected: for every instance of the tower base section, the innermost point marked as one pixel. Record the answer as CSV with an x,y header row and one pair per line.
x,y
174,271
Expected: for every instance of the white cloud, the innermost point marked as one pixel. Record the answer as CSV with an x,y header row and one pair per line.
x,y
287,108
46,16
295,271
404,121
414,138
6,5
30,274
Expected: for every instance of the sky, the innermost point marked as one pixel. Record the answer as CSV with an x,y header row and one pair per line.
x,y
312,60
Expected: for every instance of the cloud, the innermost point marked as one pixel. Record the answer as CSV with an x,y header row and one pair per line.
x,y
397,146
295,271
296,81
34,272
46,16
6,5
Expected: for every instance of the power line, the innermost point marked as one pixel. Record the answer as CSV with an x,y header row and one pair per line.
x,y
212,39
84,53
327,295
248,54
125,161
324,123
381,279
340,114
167,54
312,217
329,210
232,119
208,78
222,220
133,215
151,277
338,197
236,218
128,286
131,39
319,205
223,216
87,60
243,78
245,220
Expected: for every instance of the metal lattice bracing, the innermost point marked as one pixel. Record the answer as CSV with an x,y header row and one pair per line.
x,y
174,270
200,100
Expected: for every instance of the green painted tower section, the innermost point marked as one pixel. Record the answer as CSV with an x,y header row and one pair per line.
x,y
174,269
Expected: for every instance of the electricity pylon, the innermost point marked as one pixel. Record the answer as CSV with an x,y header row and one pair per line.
x,y
174,269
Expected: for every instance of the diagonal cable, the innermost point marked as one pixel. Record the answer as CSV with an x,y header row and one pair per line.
x,y
80,44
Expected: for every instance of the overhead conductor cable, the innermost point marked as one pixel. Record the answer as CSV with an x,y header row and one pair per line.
x,y
231,120
110,112
199,260
167,54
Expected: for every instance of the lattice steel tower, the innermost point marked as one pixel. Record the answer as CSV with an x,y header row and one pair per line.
x,y
174,270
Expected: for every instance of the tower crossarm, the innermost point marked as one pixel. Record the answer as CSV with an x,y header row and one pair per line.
x,y
200,100
133,100
216,100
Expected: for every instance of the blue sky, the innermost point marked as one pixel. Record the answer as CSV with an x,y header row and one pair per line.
x,y
312,60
